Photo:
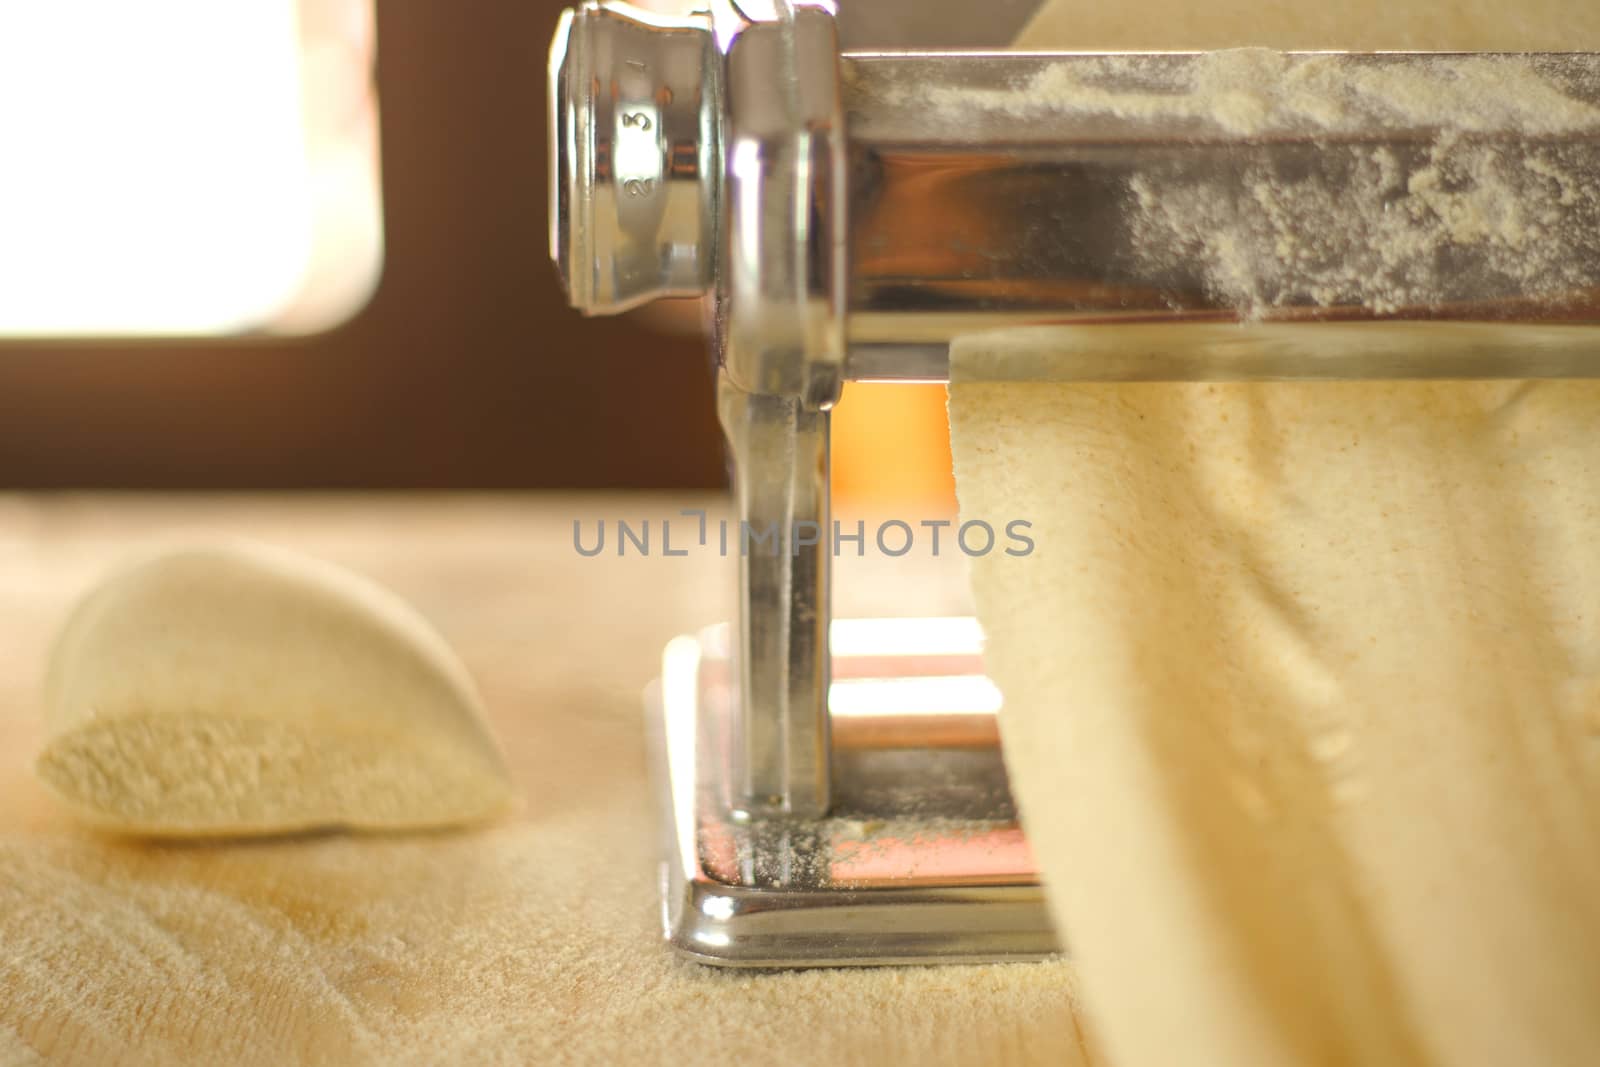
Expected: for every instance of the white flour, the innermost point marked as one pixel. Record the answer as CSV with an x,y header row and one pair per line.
x,y
1457,219
1253,91
1451,204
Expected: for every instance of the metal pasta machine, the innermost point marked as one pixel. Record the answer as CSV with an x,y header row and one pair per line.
x,y
833,789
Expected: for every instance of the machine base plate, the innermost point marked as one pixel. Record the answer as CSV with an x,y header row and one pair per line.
x,y
921,859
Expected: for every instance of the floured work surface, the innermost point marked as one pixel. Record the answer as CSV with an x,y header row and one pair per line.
x,y
1303,680
535,940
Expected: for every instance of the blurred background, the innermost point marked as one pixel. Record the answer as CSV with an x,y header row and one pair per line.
x,y
302,244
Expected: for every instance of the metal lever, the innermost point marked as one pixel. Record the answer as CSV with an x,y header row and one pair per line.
x,y
703,156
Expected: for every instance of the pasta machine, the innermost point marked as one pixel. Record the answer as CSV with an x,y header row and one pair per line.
x,y
834,789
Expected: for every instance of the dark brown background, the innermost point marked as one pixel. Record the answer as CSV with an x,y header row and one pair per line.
x,y
466,369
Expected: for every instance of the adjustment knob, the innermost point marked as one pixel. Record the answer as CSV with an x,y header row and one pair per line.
x,y
633,155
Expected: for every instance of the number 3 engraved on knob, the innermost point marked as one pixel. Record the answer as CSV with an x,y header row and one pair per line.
x,y
636,118
639,186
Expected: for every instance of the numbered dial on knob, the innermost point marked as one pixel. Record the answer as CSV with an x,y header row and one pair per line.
x,y
633,151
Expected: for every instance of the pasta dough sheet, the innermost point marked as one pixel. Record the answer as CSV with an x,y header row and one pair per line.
x,y
1302,681
1302,690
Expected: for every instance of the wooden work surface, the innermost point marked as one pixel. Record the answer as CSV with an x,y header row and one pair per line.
x,y
531,941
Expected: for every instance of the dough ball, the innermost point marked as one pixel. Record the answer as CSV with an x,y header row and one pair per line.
x,y
239,689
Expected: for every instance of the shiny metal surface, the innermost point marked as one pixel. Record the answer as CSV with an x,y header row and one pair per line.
x,y
780,485
781,277
704,155
921,859
779,303
970,205
633,153
975,208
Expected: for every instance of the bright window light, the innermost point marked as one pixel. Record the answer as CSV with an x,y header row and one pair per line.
x,y
185,166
